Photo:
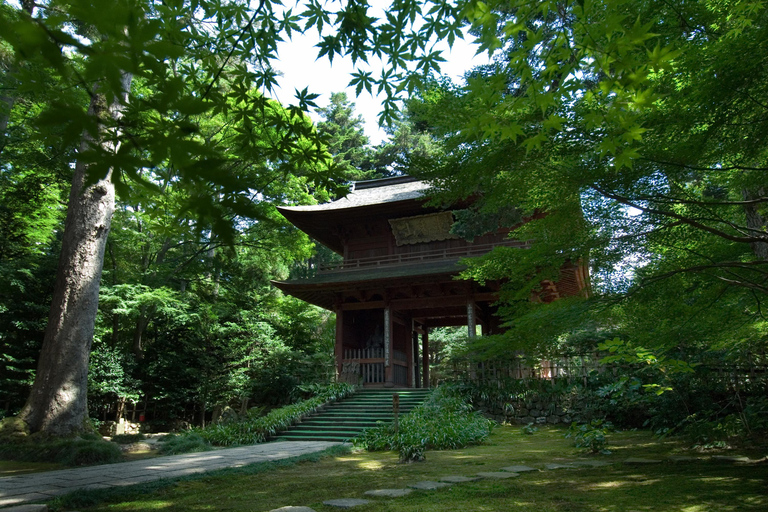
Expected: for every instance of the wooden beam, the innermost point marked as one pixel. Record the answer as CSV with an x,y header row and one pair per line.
x,y
339,346
389,374
357,306
425,358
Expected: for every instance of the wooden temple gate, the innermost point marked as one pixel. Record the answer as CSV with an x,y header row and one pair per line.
x,y
397,279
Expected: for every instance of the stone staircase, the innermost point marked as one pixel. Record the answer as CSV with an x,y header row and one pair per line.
x,y
346,419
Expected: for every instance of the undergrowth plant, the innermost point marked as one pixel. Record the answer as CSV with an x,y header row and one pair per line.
x,y
252,430
446,420
590,436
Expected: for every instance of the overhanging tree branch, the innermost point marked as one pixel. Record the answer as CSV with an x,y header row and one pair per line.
x,y
691,222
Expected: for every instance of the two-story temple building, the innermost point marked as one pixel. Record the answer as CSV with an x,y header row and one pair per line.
x,y
397,279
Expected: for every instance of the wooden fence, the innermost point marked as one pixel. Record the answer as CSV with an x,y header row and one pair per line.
x,y
750,374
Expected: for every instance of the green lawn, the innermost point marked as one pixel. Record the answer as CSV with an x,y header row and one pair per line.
x,y
690,486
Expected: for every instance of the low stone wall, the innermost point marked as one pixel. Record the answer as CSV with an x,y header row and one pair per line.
x,y
115,428
523,413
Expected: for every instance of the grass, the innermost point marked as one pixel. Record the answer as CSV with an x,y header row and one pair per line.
x,y
16,468
684,487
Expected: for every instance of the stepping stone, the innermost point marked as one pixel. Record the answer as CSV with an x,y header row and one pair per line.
x,y
559,466
389,493
292,509
592,463
731,458
499,475
459,479
346,502
428,485
639,461
518,469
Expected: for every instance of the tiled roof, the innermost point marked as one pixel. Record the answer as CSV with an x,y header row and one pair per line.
x,y
387,190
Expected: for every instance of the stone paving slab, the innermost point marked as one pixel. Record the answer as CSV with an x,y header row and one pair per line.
x,y
42,486
27,508
730,458
428,485
592,463
459,479
498,475
346,502
95,487
291,508
518,469
639,461
389,493
559,466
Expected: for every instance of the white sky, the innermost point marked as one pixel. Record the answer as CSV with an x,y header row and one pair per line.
x,y
297,62
300,69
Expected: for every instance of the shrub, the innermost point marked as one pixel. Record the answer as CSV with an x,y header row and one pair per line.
x,y
590,436
184,443
252,430
445,421
70,452
128,438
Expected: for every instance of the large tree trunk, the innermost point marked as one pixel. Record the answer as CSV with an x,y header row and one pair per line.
x,y
756,222
58,402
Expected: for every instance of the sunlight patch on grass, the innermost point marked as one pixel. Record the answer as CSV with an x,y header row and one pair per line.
x,y
371,465
719,479
145,505
611,484
756,500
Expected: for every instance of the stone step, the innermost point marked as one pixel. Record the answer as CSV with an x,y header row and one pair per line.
x,y
288,437
363,407
325,422
340,429
346,419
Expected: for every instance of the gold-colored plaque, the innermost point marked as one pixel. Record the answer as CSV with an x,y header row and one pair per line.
x,y
423,228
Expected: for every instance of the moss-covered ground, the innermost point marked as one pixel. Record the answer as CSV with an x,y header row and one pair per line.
x,y
15,468
698,486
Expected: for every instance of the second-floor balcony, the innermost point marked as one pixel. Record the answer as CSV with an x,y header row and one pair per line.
x,y
406,258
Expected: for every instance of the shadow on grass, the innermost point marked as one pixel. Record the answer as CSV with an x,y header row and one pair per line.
x,y
700,486
87,498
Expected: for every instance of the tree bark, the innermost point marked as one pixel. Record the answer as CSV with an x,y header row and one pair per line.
x,y
145,315
57,404
756,221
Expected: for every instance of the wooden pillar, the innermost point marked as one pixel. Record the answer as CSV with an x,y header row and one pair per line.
x,y
416,366
339,346
471,318
471,332
412,361
389,375
425,358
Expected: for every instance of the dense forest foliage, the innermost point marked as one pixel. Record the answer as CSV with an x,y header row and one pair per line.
x,y
636,127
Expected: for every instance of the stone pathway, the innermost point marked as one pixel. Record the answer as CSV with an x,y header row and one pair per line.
x,y
506,472
44,486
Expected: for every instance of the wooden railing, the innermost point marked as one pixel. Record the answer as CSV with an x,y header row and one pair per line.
x,y
372,373
417,257
364,353
372,368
